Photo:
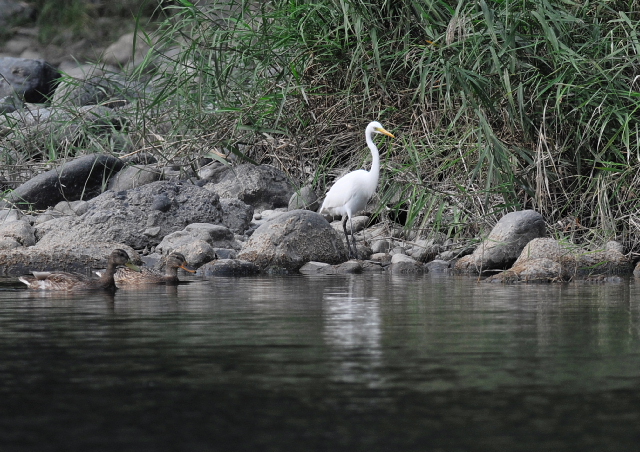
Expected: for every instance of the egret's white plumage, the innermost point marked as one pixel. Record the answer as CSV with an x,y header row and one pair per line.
x,y
350,193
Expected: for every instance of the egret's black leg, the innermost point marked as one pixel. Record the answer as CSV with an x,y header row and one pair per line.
x,y
344,228
353,236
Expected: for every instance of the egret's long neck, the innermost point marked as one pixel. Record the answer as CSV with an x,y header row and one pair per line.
x,y
375,157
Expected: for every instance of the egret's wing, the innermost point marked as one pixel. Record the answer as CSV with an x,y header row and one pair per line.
x,y
344,190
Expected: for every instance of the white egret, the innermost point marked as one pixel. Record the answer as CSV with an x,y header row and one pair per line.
x,y
351,192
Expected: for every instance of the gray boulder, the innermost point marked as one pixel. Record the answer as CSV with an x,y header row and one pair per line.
x,y
198,242
380,246
425,250
19,231
359,223
401,264
12,10
123,51
547,260
438,266
236,215
263,186
140,217
305,198
8,215
285,243
31,80
71,208
82,178
505,242
134,176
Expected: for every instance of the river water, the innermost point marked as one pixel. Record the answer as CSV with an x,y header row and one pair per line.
x,y
357,363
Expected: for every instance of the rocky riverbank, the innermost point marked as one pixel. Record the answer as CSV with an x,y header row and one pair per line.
x,y
246,219
227,217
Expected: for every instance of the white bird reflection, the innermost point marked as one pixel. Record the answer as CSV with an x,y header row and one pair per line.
x,y
352,333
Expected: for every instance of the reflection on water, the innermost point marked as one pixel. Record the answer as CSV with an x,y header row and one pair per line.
x,y
352,331
358,363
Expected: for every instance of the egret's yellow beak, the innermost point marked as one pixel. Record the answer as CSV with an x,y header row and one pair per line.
x,y
384,132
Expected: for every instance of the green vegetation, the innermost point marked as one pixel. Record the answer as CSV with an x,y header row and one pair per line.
x,y
497,105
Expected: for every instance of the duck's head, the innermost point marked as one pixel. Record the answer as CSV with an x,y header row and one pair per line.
x,y
120,258
177,260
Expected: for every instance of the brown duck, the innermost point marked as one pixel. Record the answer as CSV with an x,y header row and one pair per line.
x,y
73,281
174,261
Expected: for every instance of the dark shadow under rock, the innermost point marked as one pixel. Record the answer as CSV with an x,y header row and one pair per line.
x,y
31,80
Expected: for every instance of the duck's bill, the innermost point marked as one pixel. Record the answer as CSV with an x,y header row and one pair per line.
x,y
133,266
185,268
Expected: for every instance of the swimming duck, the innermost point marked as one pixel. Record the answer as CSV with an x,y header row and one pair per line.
x,y
174,261
73,281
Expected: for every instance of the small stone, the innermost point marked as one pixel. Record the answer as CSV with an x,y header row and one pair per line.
x,y
438,266
313,268
380,246
152,232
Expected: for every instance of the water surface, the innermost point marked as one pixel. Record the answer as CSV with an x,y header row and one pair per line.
x,y
358,363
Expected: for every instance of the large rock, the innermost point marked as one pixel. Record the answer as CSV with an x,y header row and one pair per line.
x,y
198,242
123,51
263,186
505,242
236,215
12,10
401,264
134,176
547,260
82,178
19,231
285,243
305,198
140,217
31,80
